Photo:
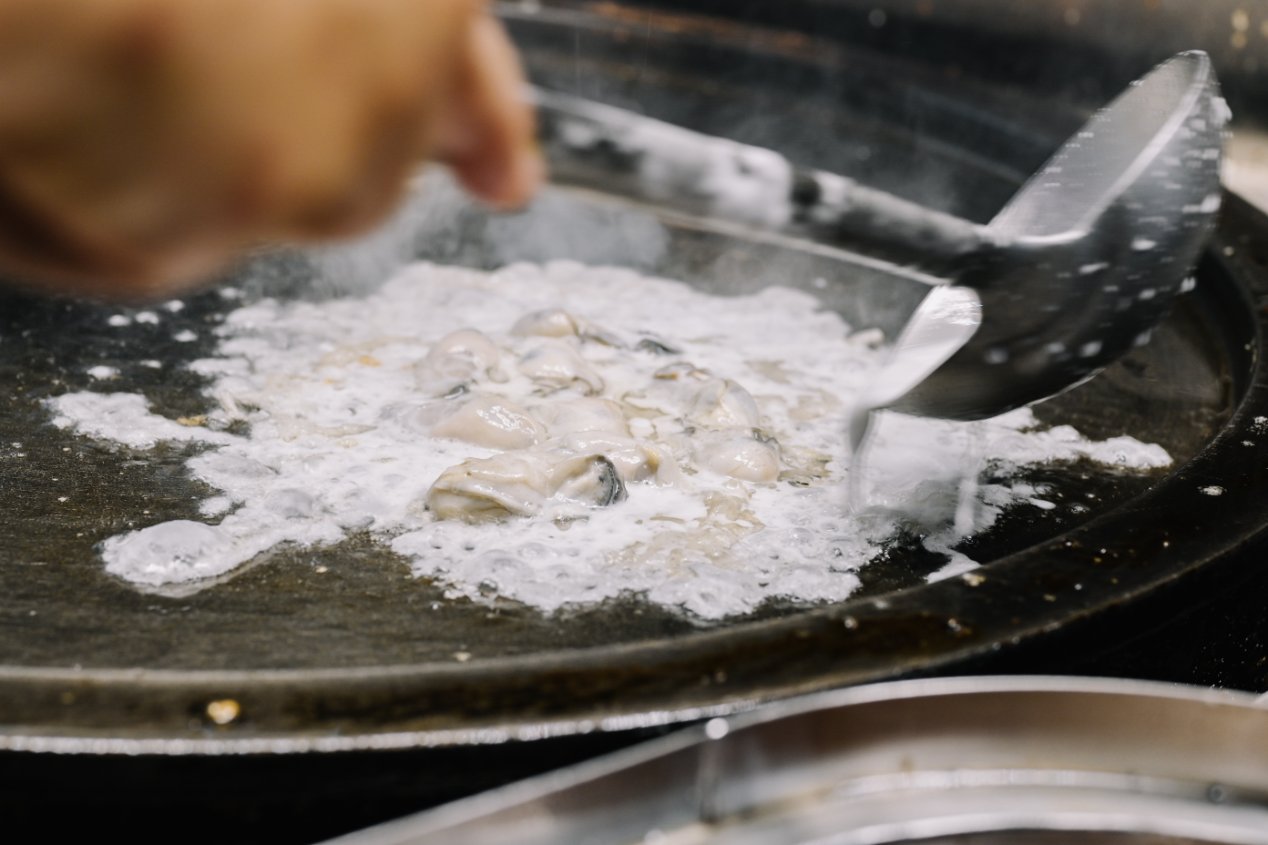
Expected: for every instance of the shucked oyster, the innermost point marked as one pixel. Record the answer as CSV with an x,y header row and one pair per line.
x,y
584,414
455,360
721,403
634,460
521,484
739,455
551,322
493,422
556,365
556,322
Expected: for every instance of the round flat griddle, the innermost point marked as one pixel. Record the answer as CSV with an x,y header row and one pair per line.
x,y
340,649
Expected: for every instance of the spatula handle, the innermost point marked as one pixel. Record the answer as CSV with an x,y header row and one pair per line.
x,y
618,151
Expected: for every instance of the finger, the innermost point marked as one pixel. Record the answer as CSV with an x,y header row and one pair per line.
x,y
487,135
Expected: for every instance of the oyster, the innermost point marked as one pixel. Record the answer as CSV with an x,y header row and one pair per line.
x,y
493,422
522,484
556,365
587,414
556,322
488,489
721,403
747,458
456,360
552,322
634,460
592,480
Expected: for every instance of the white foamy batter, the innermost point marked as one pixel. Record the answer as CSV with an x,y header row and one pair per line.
x,y
724,417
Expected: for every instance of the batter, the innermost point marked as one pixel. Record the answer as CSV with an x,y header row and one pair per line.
x,y
560,434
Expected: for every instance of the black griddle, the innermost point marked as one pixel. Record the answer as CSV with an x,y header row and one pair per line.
x,y
353,705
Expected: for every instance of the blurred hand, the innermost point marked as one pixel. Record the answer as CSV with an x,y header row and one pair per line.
x,y
144,143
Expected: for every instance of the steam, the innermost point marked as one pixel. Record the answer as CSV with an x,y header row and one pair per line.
x,y
439,222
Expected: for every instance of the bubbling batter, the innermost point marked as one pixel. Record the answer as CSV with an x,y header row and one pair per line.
x,y
561,434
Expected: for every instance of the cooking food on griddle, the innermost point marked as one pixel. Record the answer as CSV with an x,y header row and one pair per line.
x,y
559,434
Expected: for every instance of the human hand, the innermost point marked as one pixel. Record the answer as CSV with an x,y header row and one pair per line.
x,y
144,143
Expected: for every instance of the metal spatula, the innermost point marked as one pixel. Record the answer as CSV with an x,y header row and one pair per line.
x,y
1078,267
